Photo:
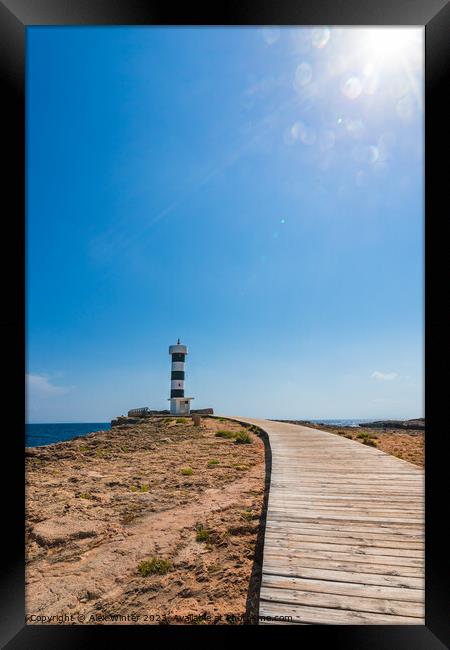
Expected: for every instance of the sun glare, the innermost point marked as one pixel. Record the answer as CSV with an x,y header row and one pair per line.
x,y
387,43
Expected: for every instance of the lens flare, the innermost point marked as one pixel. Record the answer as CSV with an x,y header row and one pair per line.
x,y
386,43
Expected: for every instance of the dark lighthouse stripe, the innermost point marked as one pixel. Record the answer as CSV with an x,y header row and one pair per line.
x,y
178,356
177,374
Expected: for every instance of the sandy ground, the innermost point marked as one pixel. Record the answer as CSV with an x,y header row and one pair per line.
x,y
99,505
405,444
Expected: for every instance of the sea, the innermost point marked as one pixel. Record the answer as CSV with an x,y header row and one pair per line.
x,y
344,423
45,434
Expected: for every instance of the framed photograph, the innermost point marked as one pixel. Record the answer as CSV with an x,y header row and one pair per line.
x,y
217,271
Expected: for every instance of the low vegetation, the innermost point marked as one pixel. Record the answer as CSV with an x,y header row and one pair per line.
x,y
240,437
143,488
154,566
202,533
247,514
224,433
187,471
213,568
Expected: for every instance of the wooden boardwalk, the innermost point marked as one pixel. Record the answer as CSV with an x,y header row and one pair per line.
x,y
344,540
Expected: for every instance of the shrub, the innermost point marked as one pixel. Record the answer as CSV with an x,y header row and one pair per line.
x,y
363,435
154,565
144,488
213,568
85,495
242,438
247,514
370,442
181,420
202,533
213,462
187,471
223,433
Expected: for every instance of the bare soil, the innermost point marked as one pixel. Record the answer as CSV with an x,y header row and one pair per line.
x,y
99,505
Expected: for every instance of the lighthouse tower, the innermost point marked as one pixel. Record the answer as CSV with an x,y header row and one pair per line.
x,y
179,404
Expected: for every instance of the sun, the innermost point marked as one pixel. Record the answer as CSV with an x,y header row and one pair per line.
x,y
390,43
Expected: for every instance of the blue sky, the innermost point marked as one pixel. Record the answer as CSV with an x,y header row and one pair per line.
x,y
256,192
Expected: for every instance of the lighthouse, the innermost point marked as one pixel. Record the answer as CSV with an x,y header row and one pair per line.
x,y
179,404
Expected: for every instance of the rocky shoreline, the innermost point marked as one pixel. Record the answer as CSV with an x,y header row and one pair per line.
x,y
416,425
133,419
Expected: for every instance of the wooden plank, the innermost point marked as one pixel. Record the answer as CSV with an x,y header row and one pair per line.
x,y
347,588
343,601
348,527
284,544
332,538
272,561
337,556
277,513
328,616
294,528
355,499
403,582
396,513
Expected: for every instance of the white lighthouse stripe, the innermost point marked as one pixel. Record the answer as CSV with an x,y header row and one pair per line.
x,y
177,365
177,383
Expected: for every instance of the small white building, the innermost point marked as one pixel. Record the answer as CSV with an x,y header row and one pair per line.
x,y
179,404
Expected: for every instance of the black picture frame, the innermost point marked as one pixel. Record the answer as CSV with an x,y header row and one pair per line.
x,y
15,17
